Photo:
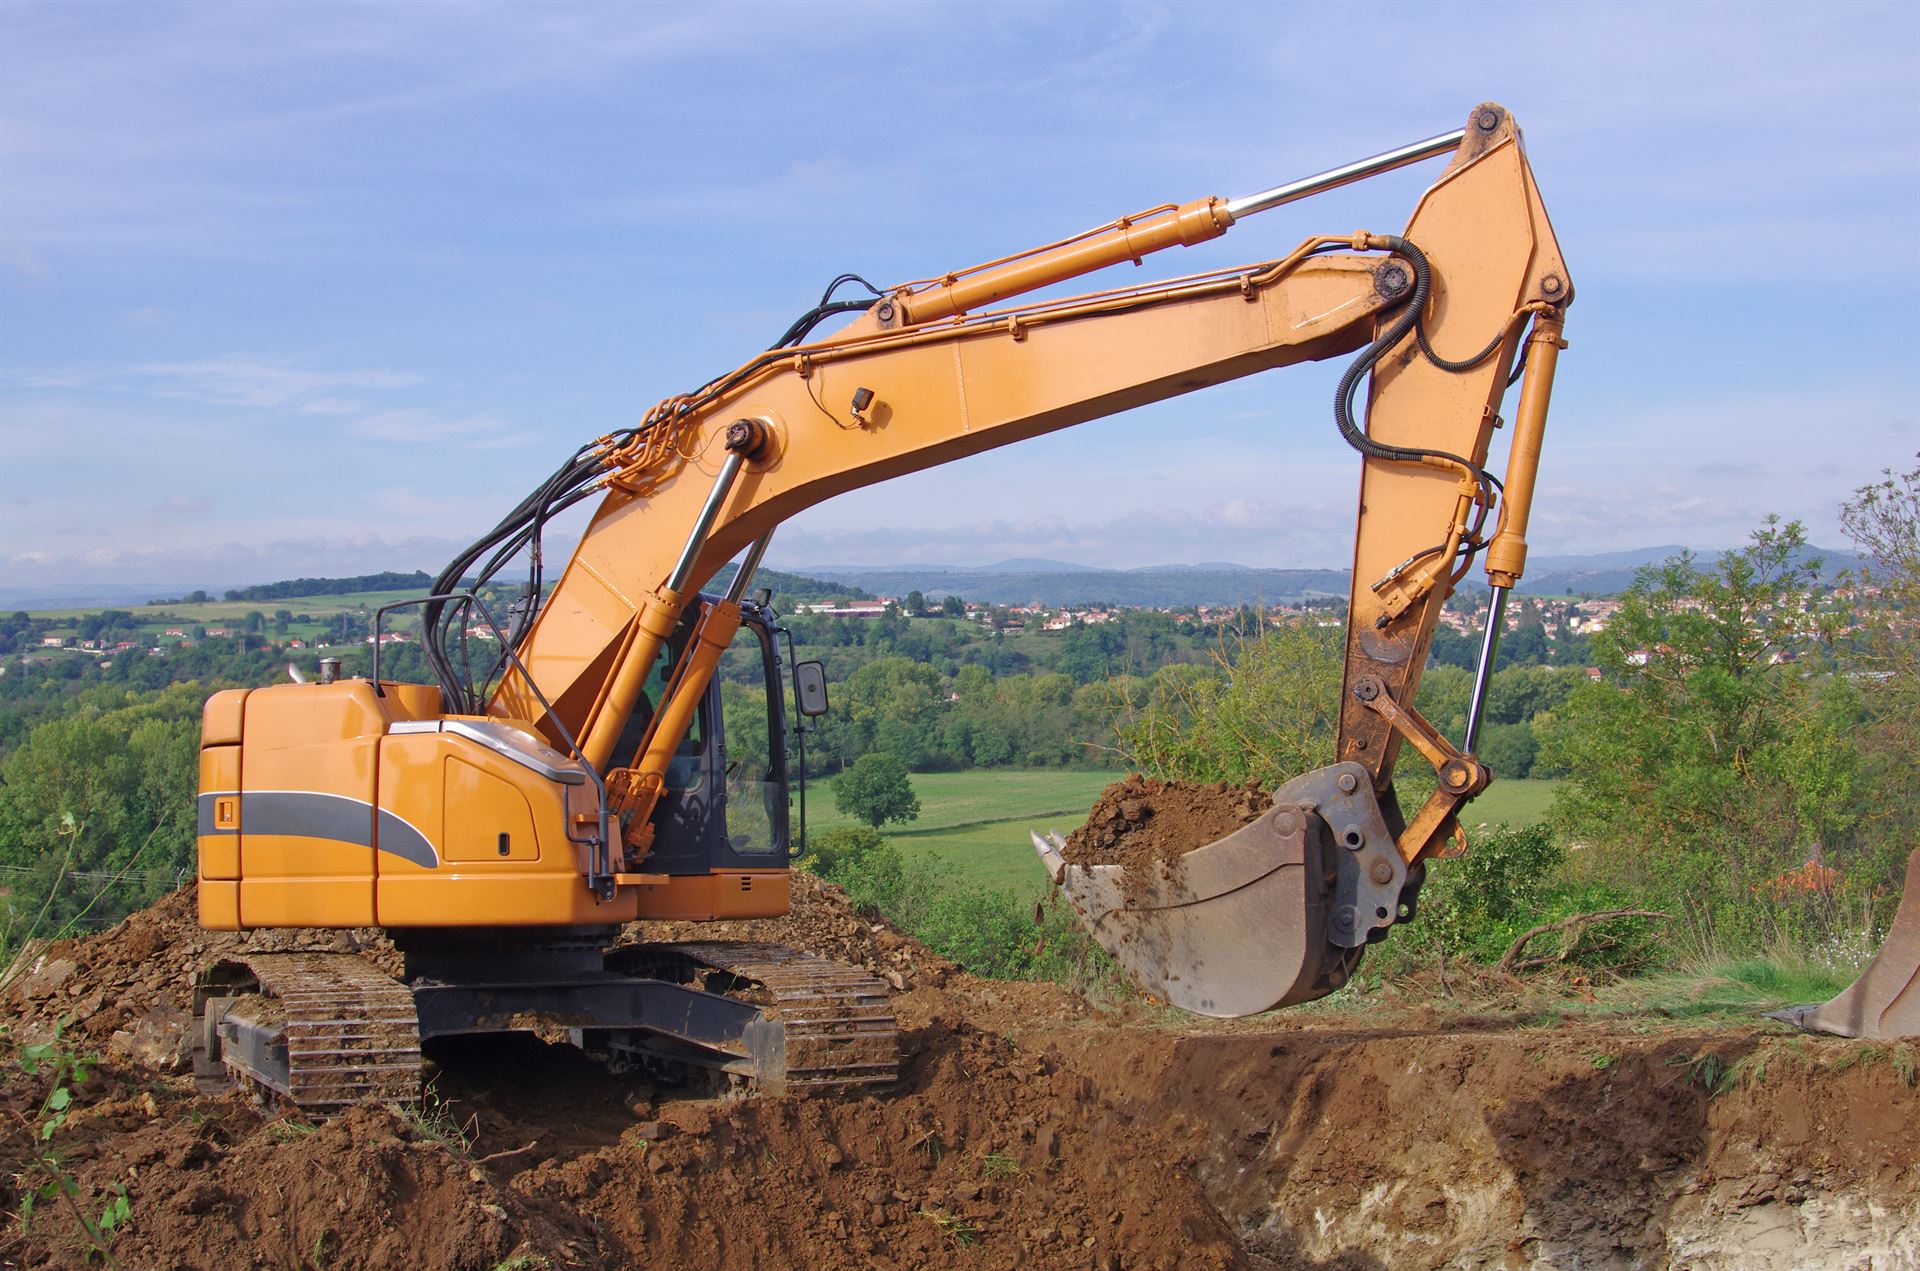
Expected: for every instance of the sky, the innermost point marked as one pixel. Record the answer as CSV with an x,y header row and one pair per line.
x,y
292,289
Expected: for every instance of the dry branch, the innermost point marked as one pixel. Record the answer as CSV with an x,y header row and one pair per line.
x,y
1510,961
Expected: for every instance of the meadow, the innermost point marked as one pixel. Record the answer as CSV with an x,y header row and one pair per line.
x,y
980,820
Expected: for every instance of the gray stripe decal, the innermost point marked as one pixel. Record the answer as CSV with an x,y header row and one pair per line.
x,y
207,827
401,839
309,814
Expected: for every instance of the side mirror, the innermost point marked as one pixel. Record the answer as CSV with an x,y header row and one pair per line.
x,y
810,689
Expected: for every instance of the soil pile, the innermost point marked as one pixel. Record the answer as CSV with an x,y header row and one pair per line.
x,y
819,919
1139,821
213,1183
1022,1133
986,1157
129,990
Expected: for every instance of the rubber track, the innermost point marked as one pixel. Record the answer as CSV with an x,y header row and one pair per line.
x,y
837,1019
352,1032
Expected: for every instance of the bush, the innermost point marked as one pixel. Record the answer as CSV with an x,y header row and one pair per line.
x,y
831,851
1510,881
986,931
1478,904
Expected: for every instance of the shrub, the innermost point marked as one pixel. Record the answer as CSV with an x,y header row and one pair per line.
x,y
831,851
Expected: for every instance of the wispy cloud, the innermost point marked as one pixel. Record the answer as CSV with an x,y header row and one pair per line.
x,y
224,564
227,380
425,427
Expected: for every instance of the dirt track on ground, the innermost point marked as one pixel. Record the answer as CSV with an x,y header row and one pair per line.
x,y
1029,1129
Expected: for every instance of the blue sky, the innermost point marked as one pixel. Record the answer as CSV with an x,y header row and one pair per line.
x,y
315,289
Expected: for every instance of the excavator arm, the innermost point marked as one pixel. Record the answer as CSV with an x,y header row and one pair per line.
x,y
526,792
946,367
711,473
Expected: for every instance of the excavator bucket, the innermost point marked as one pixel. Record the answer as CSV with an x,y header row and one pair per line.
x,y
1276,913
1884,1003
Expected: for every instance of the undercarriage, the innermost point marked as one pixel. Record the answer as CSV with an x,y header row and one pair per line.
x,y
321,1031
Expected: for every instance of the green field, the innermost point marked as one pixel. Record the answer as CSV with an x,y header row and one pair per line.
x,y
1514,803
224,610
980,820
949,799
153,621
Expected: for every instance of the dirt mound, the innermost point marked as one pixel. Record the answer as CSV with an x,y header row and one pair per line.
x,y
819,919
129,989
1139,821
989,1156
1022,1133
211,1183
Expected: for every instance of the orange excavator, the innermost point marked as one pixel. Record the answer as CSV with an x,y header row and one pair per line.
x,y
570,773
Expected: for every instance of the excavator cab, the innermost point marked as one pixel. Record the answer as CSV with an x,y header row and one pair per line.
x,y
724,801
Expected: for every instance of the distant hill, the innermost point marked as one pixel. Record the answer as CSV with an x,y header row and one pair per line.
x,y
1016,581
92,595
1177,586
417,581
1610,573
1226,583
790,587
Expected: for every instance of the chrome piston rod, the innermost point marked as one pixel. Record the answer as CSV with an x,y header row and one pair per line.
x,y
743,577
1345,174
709,513
1489,649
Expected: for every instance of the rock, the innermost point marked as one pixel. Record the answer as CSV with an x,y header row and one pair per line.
x,y
157,1040
46,977
654,1131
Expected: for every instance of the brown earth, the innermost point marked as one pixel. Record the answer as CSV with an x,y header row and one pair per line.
x,y
1138,821
1029,1129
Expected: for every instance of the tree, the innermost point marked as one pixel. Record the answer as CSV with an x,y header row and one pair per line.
x,y
97,806
1525,645
916,604
953,607
1265,710
1883,520
1713,755
876,790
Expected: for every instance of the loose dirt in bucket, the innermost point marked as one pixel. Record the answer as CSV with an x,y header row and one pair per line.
x,y
1147,826
1029,1129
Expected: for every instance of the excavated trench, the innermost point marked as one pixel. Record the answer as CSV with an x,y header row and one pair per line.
x,y
1029,1129
1582,1145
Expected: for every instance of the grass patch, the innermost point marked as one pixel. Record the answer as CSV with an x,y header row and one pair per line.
x,y
1518,803
999,855
1743,987
224,610
979,820
982,795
